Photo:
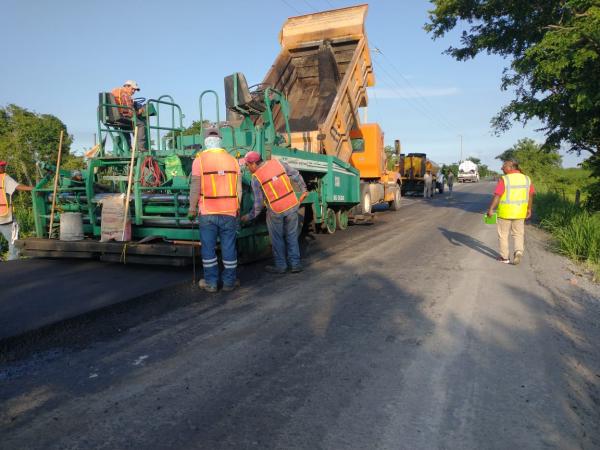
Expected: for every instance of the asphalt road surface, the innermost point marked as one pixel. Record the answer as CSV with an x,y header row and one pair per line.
x,y
405,334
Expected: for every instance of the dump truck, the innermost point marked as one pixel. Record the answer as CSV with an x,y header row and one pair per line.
x,y
413,167
324,68
304,113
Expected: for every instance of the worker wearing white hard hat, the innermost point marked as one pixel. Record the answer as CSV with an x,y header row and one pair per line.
x,y
124,97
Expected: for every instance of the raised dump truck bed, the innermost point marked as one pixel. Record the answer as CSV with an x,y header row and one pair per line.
x,y
324,68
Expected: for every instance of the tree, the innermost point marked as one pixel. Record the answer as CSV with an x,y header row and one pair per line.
x,y
533,160
391,157
27,137
554,49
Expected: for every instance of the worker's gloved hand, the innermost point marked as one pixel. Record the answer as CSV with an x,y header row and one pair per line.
x,y
245,218
192,214
303,196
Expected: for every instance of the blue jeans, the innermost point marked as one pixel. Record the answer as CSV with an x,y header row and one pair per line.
x,y
283,230
225,229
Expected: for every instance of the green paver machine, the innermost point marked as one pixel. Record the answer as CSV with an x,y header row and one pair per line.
x,y
160,189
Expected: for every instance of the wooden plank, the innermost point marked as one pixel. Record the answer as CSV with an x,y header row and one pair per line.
x,y
58,254
152,260
88,245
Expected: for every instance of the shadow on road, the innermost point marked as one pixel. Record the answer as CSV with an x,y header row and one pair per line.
x,y
461,239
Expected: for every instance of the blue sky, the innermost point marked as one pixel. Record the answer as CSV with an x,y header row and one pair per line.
x,y
59,54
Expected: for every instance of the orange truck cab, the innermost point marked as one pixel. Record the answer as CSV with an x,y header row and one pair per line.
x,y
378,184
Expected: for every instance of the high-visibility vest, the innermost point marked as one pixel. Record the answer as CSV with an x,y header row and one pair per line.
x,y
515,200
276,185
4,205
219,173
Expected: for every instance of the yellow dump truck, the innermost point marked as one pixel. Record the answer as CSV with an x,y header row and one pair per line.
x,y
324,68
413,167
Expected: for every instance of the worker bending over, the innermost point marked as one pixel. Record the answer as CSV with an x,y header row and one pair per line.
x,y
215,189
9,228
124,97
514,198
272,180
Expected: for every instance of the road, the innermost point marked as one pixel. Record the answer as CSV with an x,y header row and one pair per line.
x,y
405,334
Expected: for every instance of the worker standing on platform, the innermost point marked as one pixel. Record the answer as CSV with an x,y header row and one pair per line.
x,y
216,189
9,228
273,180
514,198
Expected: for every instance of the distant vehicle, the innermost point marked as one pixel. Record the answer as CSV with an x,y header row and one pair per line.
x,y
412,170
468,172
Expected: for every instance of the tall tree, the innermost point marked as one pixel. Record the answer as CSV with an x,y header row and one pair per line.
x,y
532,160
27,137
554,51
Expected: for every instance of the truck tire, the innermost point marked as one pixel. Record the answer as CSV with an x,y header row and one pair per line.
x,y
365,200
395,204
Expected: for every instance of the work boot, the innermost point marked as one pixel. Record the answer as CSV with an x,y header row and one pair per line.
x,y
296,269
202,284
517,257
275,269
229,288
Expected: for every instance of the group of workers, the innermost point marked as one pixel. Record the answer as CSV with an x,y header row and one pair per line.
x,y
215,196
216,192
440,180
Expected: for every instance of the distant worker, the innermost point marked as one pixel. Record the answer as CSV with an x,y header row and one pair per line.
x,y
215,189
9,228
513,197
440,182
450,181
124,97
428,185
272,180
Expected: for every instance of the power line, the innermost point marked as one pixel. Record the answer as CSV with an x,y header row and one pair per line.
x,y
310,6
420,97
292,7
417,106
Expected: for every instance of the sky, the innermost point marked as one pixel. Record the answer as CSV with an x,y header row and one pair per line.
x,y
57,55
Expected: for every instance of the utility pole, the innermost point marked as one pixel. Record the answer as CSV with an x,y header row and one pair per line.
x,y
461,152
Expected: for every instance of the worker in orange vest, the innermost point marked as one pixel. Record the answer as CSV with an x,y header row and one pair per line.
x,y
124,97
272,184
9,228
215,190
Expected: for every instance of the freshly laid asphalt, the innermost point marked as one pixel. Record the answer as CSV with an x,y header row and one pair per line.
x,y
404,334
37,292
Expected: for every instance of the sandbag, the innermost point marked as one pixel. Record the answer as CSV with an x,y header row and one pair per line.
x,y
113,212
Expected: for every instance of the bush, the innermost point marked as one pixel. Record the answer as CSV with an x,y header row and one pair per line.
x,y
576,230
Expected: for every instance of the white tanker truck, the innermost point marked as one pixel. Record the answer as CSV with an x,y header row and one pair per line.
x,y
468,172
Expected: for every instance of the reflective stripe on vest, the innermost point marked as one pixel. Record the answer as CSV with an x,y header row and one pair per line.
x,y
218,180
515,200
4,205
276,185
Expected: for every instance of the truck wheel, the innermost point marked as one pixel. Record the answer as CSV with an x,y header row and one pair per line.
x,y
395,204
365,200
329,222
341,219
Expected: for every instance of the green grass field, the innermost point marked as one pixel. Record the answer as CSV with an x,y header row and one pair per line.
x,y
576,231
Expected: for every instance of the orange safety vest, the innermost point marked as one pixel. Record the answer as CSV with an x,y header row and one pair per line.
x,y
4,205
276,185
219,173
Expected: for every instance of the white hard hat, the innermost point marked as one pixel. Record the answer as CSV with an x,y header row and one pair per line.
x,y
132,83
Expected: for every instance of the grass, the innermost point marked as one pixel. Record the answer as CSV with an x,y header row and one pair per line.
x,y
576,231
